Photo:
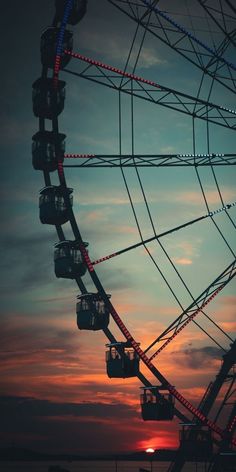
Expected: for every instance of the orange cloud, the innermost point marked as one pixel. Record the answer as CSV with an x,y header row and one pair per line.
x,y
164,439
192,197
182,261
228,326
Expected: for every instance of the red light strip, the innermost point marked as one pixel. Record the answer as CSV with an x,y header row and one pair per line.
x,y
56,70
105,258
112,69
86,257
231,426
60,169
190,318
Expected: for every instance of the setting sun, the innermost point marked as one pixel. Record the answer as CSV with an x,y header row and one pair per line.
x,y
150,450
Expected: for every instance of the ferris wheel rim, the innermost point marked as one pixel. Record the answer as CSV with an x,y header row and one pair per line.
x,y
99,286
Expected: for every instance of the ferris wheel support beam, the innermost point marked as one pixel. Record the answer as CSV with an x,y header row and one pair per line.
x,y
228,400
224,445
228,362
150,160
194,309
180,40
153,92
205,406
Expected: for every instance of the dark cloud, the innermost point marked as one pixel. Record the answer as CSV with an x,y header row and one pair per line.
x,y
116,280
31,256
65,427
26,337
13,407
27,261
197,358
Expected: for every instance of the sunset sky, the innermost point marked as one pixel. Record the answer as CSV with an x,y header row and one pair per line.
x,y
55,395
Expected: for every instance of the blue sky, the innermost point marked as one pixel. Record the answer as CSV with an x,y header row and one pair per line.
x,y
44,356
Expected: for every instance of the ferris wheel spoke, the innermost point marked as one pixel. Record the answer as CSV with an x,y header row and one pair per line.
x,y
160,235
146,241
155,93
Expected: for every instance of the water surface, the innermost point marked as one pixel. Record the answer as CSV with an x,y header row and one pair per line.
x,y
96,466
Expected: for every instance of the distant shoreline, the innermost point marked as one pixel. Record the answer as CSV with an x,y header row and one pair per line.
x,y
21,454
16,454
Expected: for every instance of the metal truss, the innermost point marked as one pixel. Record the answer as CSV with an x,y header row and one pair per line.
x,y
135,86
149,160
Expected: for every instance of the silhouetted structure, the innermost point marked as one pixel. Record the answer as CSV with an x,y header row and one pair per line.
x,y
196,442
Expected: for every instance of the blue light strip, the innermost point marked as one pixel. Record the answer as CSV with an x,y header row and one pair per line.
x,y
63,27
190,35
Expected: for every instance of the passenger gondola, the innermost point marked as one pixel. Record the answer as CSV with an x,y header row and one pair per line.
x,y
48,101
47,149
68,260
53,209
122,360
196,441
92,313
157,404
48,47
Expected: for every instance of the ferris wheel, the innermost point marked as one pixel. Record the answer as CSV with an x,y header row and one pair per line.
x,y
204,40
